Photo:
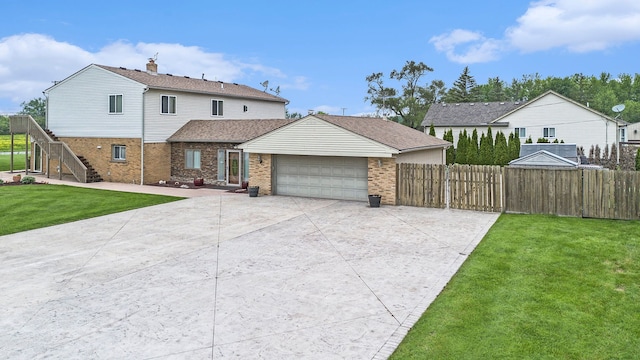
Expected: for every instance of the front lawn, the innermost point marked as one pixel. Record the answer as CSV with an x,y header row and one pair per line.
x,y
539,287
26,207
18,162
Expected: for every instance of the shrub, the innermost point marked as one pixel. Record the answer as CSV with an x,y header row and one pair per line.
x,y
1,181
638,160
28,180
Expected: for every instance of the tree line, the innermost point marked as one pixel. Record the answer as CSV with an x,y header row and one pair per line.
x,y
474,149
35,107
408,102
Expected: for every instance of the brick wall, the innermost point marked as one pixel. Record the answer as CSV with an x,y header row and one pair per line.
x,y
98,152
208,162
156,162
260,172
382,179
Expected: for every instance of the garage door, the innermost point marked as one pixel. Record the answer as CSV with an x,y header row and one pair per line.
x,y
322,177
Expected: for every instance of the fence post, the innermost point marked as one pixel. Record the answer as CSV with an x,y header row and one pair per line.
x,y
447,187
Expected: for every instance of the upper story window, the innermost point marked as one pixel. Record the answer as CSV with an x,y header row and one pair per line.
x,y
520,132
118,153
549,132
115,104
168,104
216,108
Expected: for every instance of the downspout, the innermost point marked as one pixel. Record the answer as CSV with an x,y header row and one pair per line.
x,y
142,139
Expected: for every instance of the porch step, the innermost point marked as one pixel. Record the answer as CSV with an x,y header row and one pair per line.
x,y
92,174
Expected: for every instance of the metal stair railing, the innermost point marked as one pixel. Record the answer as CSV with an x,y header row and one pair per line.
x,y
26,124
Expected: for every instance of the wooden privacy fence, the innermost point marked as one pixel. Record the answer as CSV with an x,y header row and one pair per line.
x,y
457,186
594,193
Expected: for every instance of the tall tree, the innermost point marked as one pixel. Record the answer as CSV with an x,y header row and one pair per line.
x,y
451,151
501,151
411,102
432,130
461,148
463,89
472,148
36,108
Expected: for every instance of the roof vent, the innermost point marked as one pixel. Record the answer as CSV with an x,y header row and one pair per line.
x,y
123,68
471,104
138,70
517,103
169,74
457,104
501,103
235,83
486,104
186,77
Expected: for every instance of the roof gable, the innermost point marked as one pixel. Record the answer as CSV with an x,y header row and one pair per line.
x,y
559,97
327,135
543,158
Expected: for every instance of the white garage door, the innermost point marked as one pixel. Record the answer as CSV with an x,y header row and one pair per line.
x,y
341,178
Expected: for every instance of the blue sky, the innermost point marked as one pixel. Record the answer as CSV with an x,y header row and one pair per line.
x,y
318,52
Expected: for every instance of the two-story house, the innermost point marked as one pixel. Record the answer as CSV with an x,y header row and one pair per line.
x,y
550,116
120,120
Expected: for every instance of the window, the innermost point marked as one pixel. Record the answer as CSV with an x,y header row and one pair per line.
x,y
115,104
520,132
192,159
623,135
168,104
549,132
216,108
118,152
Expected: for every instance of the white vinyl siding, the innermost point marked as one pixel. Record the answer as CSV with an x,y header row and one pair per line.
x,y
115,104
312,136
168,104
159,127
192,159
85,95
217,108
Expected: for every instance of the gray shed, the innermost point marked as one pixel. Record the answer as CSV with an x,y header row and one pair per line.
x,y
543,158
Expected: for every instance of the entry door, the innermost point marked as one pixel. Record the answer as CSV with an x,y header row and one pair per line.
x,y
37,158
234,167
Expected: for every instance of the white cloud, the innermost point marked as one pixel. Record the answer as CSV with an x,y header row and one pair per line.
x,y
30,62
476,48
299,83
575,25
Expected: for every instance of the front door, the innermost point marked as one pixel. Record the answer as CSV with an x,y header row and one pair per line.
x,y
234,167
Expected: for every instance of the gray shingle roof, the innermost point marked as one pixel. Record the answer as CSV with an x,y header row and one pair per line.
x,y
194,85
467,114
226,131
386,132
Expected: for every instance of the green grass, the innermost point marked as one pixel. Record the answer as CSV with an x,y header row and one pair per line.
x,y
539,287
27,207
18,162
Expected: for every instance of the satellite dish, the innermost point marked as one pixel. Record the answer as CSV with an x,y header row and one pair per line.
x,y
618,108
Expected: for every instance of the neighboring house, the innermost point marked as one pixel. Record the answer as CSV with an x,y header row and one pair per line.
x,y
120,119
550,116
633,131
338,157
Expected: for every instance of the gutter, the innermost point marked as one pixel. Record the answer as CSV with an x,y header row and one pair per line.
x,y
142,139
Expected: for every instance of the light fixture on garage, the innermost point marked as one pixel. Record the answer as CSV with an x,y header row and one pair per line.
x,y
379,163
260,158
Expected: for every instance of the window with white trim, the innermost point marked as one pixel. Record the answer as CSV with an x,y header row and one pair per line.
x,y
115,104
216,108
520,132
549,132
192,159
623,135
118,152
168,104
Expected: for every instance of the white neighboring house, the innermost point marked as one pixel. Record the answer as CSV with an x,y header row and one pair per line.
x,y
120,119
633,132
550,115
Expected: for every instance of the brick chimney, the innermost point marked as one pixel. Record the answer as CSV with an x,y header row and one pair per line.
x,y
152,67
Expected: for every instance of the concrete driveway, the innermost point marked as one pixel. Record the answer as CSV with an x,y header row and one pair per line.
x,y
229,276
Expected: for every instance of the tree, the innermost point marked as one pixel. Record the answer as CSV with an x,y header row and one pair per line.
x,y
36,108
410,104
514,146
463,89
432,130
472,148
293,115
451,151
501,152
461,149
638,160
4,125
